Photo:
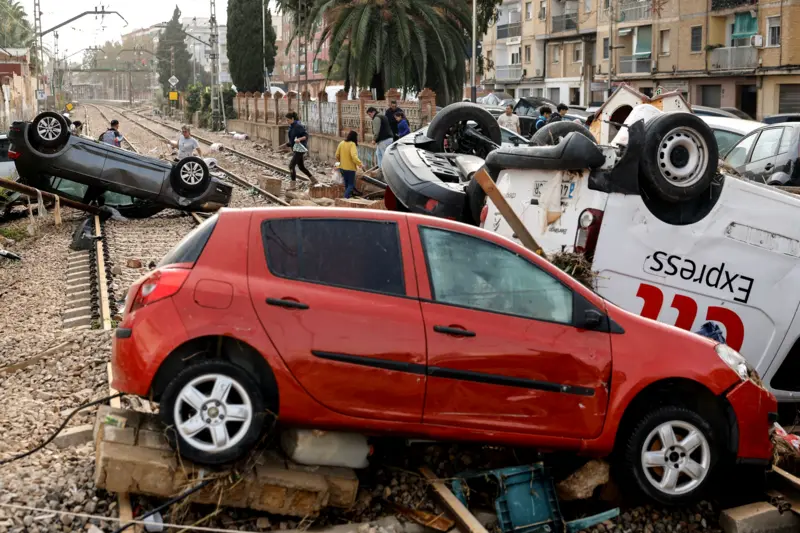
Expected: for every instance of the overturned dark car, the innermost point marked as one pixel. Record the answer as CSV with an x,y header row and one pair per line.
x,y
47,156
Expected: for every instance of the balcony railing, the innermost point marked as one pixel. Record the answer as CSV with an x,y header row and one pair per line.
x,y
634,65
508,73
733,58
509,30
717,5
568,22
630,12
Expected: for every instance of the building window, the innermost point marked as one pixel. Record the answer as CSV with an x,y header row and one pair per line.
x,y
515,59
587,5
542,9
577,50
489,56
664,42
527,53
316,65
773,31
528,10
605,48
556,53
606,4
525,92
555,94
697,38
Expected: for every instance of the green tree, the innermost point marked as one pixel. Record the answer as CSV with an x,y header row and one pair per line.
x,y
245,50
15,28
173,39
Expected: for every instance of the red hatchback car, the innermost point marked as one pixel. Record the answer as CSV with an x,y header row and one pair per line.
x,y
389,323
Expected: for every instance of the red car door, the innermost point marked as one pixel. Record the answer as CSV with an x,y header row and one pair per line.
x,y
338,298
503,353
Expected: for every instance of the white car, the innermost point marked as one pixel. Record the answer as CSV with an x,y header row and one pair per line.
x,y
729,131
6,164
726,251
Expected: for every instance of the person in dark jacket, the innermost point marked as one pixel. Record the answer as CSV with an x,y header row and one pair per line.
x,y
382,134
297,136
557,117
390,113
403,128
544,115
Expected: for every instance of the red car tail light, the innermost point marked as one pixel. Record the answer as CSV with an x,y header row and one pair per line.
x,y
431,204
484,214
588,230
159,285
13,155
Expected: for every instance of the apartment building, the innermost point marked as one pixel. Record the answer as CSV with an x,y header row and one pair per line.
x,y
299,63
736,53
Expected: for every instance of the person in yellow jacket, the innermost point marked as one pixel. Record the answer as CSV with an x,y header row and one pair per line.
x,y
347,156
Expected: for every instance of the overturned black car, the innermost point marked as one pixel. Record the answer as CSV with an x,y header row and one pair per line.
x,y
47,156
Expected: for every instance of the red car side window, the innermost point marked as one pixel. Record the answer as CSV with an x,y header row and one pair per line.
x,y
470,272
353,254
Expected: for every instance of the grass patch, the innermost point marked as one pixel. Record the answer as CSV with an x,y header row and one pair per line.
x,y
15,233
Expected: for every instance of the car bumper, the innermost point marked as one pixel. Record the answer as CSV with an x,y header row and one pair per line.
x,y
418,188
142,341
756,410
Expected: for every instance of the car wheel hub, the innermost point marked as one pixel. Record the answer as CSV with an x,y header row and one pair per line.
x,y
676,457
49,128
683,157
213,412
192,173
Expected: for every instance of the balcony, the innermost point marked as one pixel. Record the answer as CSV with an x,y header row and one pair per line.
x,y
734,58
634,65
567,22
718,5
631,12
508,73
504,31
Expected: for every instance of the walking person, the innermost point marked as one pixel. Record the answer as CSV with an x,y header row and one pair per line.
x,y
347,156
403,128
509,120
298,144
391,111
112,135
557,117
382,134
544,115
186,144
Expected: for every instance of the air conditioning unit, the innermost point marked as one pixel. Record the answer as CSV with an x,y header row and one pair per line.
x,y
757,41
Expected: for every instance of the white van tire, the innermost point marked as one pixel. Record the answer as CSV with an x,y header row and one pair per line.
x,y
551,134
680,156
462,112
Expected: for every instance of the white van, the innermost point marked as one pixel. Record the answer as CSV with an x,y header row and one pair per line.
x,y
727,252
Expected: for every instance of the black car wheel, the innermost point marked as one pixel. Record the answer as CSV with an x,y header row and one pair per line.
x,y
448,129
190,176
680,156
551,134
49,130
216,412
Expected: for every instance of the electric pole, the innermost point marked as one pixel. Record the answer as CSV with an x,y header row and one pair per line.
x,y
54,80
264,45
37,21
215,92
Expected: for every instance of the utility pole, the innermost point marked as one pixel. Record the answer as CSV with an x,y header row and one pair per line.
x,y
474,88
37,21
267,87
171,70
215,92
611,15
54,80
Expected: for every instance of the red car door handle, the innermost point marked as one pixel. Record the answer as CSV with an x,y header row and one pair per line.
x,y
285,302
457,331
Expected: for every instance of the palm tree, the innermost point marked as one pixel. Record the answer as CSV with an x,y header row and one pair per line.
x,y
409,44
15,29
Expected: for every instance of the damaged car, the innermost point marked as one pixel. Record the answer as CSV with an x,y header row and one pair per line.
x,y
258,316
49,157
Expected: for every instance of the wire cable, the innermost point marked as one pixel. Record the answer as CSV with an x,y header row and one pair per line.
x,y
163,506
60,428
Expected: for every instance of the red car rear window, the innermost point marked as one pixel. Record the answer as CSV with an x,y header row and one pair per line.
x,y
190,248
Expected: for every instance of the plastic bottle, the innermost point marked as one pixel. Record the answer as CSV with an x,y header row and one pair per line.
x,y
326,448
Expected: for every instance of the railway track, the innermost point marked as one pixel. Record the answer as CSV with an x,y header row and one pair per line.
x,y
235,178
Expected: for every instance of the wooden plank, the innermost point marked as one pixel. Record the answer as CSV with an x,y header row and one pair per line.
x,y
123,498
36,358
102,281
463,517
32,192
794,481
520,231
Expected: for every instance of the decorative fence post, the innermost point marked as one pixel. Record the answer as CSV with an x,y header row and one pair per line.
x,y
291,97
322,98
341,96
427,102
256,99
392,94
277,98
363,97
240,105
265,103
248,97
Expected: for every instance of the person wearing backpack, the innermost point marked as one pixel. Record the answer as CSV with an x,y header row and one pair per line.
x,y
544,115
112,135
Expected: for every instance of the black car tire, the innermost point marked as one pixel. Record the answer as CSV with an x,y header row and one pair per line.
x,y
203,376
680,156
49,130
190,176
476,199
459,112
642,440
551,134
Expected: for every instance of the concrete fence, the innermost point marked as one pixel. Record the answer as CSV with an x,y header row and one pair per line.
x,y
17,100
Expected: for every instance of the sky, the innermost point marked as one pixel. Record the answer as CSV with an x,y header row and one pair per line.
x,y
88,31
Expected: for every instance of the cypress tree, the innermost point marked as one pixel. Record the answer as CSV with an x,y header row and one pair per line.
x,y
174,38
245,50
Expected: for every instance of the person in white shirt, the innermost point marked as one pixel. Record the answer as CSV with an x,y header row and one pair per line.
x,y
509,120
186,144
